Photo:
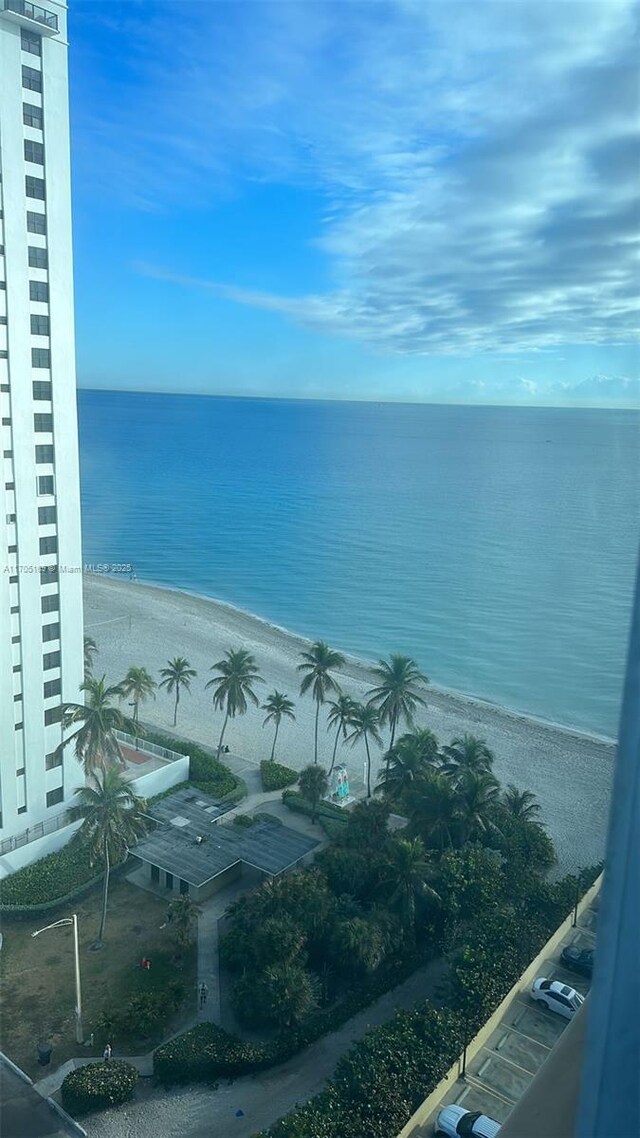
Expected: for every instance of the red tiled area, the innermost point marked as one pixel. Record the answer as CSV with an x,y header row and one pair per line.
x,y
131,756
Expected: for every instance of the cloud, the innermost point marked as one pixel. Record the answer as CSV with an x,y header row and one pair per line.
x,y
477,165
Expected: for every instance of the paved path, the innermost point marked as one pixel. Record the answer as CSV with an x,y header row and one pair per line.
x,y
197,1112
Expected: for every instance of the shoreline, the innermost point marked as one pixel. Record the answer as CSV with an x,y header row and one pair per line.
x,y
359,662
569,771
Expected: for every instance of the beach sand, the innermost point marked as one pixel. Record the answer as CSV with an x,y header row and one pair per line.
x,y
570,773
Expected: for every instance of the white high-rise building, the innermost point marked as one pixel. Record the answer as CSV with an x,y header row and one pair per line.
x,y
41,659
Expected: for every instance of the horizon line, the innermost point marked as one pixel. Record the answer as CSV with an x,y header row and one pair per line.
x,y
432,402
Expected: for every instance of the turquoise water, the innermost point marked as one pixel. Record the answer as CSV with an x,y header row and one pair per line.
x,y
496,545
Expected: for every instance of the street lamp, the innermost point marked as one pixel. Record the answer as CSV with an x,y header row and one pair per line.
x,y
57,925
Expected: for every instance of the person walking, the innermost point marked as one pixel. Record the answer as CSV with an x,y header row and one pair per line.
x,y
106,1055
204,992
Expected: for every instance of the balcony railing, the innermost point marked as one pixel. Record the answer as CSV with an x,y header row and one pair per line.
x,y
144,747
40,830
32,12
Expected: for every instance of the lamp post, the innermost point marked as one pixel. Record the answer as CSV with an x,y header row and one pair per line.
x,y
57,925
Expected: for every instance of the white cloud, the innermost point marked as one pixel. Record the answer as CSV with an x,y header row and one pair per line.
x,y
479,163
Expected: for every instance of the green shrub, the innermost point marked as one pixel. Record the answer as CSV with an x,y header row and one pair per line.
x,y
275,776
244,821
295,801
97,1086
205,1053
56,876
208,774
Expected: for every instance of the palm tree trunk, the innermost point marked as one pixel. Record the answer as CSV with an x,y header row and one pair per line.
x,y
175,710
275,739
366,743
315,752
391,740
105,892
224,727
335,748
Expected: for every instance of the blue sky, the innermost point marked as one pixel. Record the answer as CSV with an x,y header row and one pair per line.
x,y
409,200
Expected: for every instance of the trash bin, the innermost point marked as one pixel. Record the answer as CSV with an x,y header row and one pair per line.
x,y
44,1054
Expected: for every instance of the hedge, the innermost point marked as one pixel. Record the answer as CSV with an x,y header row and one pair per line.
x,y
295,801
275,776
50,882
205,770
96,1086
207,1052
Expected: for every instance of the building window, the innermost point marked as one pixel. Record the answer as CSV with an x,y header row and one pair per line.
x,y
18,698
55,796
39,325
9,485
14,610
12,549
44,485
4,355
37,257
49,574
15,639
40,357
32,116
51,632
31,79
36,222
50,660
52,687
53,759
42,422
46,515
44,453
33,152
50,603
21,809
41,389
30,41
11,518
53,715
34,187
38,290
48,545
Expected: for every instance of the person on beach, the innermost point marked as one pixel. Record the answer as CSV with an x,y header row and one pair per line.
x,y
204,992
106,1055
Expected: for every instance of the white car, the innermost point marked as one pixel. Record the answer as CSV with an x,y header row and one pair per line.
x,y
458,1122
558,997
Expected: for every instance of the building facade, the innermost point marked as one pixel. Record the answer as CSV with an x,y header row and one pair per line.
x,y
41,656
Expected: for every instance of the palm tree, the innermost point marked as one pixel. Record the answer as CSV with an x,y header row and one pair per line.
x,y
521,804
139,685
398,694
313,784
360,944
434,810
478,794
233,686
364,725
409,874
277,705
412,756
319,661
340,713
466,755
112,821
177,674
95,744
183,914
90,650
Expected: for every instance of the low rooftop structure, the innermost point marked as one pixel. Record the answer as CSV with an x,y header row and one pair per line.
x,y
197,849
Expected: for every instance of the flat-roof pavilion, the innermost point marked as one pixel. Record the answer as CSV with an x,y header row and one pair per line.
x,y
197,850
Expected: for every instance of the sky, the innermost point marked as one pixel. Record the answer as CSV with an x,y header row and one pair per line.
x,y
414,201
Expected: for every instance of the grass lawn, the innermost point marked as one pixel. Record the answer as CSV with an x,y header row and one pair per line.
x,y
37,987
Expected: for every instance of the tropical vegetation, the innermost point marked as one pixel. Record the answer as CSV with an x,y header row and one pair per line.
x,y
139,686
97,1086
278,706
177,677
233,686
276,776
113,819
317,665
94,742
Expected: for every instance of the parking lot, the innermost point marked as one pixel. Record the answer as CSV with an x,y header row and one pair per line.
x,y
503,1069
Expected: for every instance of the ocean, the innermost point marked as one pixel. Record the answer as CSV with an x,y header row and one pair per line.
x,y
496,545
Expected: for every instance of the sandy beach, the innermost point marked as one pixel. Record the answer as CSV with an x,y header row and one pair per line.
x,y
569,772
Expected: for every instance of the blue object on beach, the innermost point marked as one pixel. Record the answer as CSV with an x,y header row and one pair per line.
x,y
239,1114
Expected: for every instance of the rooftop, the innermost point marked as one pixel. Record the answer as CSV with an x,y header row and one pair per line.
x,y
192,842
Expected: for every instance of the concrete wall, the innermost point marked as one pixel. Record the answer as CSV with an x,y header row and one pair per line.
x,y
10,862
220,882
522,985
161,779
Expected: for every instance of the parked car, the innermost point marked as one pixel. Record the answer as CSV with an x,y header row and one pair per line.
x,y
578,959
458,1122
559,998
